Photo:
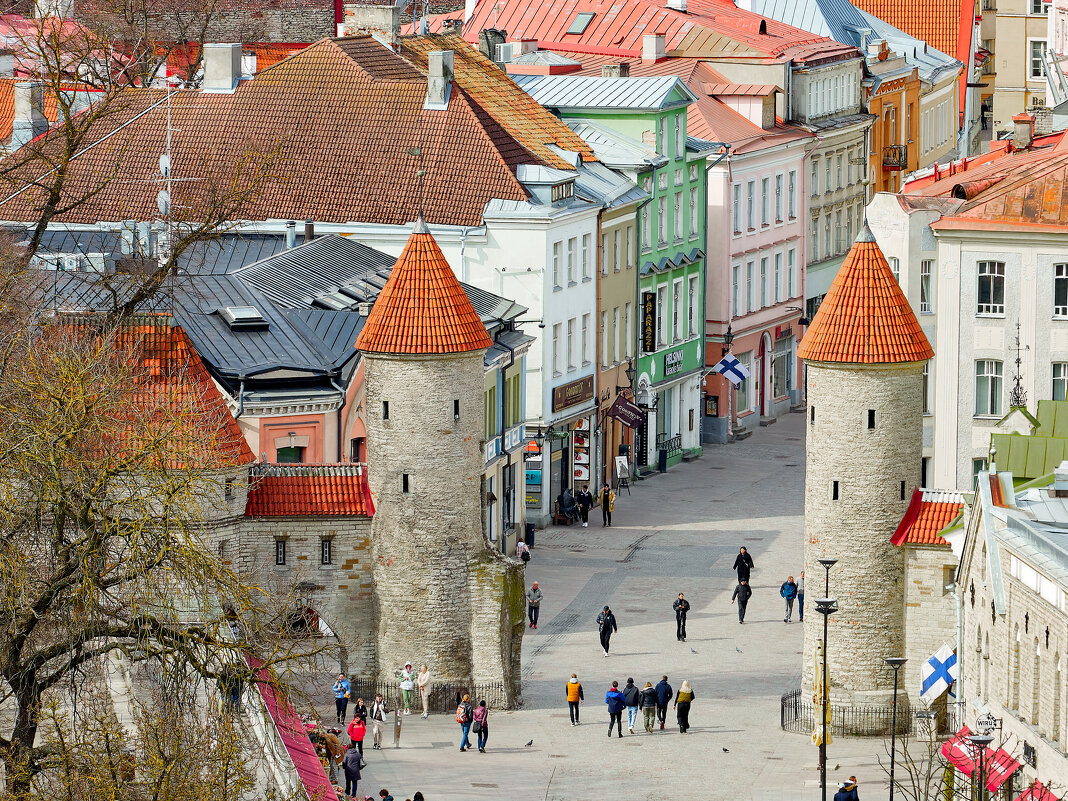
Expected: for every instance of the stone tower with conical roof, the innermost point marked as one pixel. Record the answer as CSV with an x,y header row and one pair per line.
x,y
864,353
443,596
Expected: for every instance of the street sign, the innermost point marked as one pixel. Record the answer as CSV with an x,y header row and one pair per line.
x,y
986,723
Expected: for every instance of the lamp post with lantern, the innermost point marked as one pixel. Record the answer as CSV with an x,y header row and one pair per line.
x,y
895,662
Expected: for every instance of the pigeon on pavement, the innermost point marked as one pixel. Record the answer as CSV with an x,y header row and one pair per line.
x,y
530,744
725,751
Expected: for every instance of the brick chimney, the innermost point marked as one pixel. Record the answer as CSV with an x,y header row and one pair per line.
x,y
29,121
222,67
654,47
1023,131
620,69
438,79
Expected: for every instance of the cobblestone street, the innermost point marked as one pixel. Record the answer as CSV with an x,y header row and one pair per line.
x,y
675,533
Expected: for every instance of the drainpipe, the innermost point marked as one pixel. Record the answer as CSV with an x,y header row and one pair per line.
x,y
463,249
638,316
340,421
240,399
504,383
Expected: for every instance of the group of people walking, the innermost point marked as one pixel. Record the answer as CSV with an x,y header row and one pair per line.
x,y
791,591
409,682
473,719
577,507
651,701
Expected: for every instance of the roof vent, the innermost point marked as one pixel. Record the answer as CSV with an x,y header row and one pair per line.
x,y
243,318
763,27
222,66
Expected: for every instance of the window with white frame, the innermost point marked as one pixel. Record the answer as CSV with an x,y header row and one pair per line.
x,y
895,267
556,348
587,239
814,239
557,256
791,194
763,281
815,178
988,389
586,339
661,222
1036,47
661,133
838,170
744,397
736,280
750,299
827,235
676,311
693,211
827,187
693,172
604,254
572,244
628,249
1060,381
778,278
680,137
765,202
927,387
571,344
1040,7
990,298
791,289
678,215
1060,290
647,229
839,234
778,198
750,205
780,367
628,332
604,339
693,312
849,228
736,208
661,301
926,286
617,254
616,336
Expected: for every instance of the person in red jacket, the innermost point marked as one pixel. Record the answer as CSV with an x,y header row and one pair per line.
x,y
357,731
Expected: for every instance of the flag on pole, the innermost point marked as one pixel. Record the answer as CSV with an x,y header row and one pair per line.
x,y
938,673
731,369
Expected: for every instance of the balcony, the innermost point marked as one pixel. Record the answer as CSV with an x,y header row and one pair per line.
x,y
895,157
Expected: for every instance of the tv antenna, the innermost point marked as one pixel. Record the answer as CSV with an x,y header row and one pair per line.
x,y
1017,395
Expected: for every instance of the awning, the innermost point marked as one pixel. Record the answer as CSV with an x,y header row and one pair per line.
x,y
959,752
997,765
999,768
1037,792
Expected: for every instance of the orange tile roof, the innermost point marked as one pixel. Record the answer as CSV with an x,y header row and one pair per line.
x,y
7,106
327,490
422,308
181,56
928,514
865,317
938,24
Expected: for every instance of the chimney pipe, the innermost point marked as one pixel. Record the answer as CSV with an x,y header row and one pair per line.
x,y
7,63
678,5
381,21
438,79
222,67
653,47
1023,131
291,234
309,230
620,69
29,120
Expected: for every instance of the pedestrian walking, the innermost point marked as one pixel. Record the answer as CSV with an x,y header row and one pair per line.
x,y
606,623
574,698
422,681
647,704
984,111
533,604
522,551
681,607
360,711
851,789
357,731
335,754
585,501
608,505
842,794
616,704
742,593
481,725
663,696
743,563
342,689
631,694
407,684
377,714
465,716
788,591
801,597
683,698
351,766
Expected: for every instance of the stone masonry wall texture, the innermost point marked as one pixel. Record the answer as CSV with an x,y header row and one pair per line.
x,y
432,567
870,465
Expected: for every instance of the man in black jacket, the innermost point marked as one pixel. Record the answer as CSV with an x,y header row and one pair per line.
x,y
663,698
681,607
742,593
743,563
630,695
647,704
606,623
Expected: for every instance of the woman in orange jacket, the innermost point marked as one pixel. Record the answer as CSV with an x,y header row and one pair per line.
x,y
574,698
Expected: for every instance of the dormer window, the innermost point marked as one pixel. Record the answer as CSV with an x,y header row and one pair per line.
x,y
563,191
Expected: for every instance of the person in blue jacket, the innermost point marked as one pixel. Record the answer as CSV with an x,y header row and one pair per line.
x,y
616,704
788,591
663,698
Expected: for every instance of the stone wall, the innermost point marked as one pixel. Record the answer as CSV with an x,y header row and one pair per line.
x,y
428,535
870,466
930,611
268,22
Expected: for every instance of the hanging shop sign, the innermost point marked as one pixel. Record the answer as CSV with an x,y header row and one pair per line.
x,y
648,321
626,412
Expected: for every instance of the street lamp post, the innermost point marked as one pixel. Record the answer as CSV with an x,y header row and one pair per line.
x,y
826,607
827,565
981,743
895,662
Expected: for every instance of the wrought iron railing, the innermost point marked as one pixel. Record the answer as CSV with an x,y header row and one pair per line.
x,y
798,714
673,445
895,157
444,696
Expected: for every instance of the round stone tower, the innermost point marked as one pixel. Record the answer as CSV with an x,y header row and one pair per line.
x,y
423,346
865,353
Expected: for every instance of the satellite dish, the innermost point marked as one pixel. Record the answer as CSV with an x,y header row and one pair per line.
x,y
163,202
165,165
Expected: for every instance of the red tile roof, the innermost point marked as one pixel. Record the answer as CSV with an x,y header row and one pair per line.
x,y
315,490
181,56
324,133
865,317
7,106
422,308
939,25
706,28
929,513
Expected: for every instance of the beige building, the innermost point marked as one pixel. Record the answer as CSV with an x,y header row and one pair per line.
x,y
1014,32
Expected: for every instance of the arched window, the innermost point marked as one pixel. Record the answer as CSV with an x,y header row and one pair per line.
x,y
1014,680
1058,680
1036,680
986,667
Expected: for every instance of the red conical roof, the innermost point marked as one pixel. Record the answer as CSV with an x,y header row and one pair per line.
x,y
865,317
422,308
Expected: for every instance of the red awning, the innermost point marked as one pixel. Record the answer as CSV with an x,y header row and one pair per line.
x,y
960,752
999,768
1037,792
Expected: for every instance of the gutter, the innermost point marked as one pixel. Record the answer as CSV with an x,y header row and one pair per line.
x,y
240,399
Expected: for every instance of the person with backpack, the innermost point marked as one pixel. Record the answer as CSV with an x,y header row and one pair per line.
x,y
357,731
663,695
522,551
574,698
606,624
630,695
616,704
533,604
465,716
647,703
788,591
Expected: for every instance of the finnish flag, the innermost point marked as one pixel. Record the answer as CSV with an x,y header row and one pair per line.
x,y
731,369
938,673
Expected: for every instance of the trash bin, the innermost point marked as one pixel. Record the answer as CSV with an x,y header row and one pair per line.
x,y
661,460
528,535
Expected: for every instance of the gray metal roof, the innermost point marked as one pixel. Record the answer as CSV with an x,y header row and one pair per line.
x,y
544,58
613,148
646,93
609,187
